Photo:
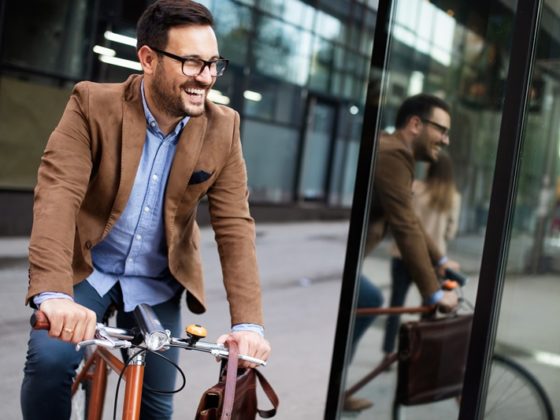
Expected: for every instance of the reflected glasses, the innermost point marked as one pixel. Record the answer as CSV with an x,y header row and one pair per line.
x,y
443,130
194,66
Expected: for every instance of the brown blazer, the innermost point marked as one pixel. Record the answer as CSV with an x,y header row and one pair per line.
x,y
392,208
86,176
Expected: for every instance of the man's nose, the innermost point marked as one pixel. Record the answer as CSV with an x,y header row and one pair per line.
x,y
445,139
204,76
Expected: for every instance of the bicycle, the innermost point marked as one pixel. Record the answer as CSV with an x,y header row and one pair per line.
x,y
89,386
513,392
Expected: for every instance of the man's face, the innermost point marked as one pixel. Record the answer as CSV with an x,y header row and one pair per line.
x,y
174,93
433,136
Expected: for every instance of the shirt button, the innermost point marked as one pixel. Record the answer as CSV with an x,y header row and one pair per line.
x,y
130,260
147,209
153,123
138,237
155,177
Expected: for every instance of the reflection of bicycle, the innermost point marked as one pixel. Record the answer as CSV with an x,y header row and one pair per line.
x,y
513,392
88,389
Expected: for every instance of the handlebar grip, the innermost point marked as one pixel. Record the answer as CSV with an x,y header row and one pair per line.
x,y
456,276
39,321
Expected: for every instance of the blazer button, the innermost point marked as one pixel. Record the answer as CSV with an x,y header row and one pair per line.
x,y
88,244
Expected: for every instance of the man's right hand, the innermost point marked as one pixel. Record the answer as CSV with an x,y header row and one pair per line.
x,y
69,321
448,302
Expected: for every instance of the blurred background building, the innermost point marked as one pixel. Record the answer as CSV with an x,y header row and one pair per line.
x,y
298,76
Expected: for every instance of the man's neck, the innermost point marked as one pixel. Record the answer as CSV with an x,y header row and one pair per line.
x,y
404,137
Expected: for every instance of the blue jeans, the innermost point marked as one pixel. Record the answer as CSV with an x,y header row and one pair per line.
x,y
400,283
369,296
51,364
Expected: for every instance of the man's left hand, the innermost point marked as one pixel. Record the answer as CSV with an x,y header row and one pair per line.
x,y
250,344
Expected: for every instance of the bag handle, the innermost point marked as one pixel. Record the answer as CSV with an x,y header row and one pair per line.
x,y
270,393
231,379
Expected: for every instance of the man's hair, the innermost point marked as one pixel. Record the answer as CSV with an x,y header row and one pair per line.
x,y
420,105
158,18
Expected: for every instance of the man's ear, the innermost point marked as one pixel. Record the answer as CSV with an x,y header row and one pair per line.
x,y
148,59
415,124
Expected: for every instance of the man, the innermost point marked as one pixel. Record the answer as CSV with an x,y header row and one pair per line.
x,y
115,208
422,131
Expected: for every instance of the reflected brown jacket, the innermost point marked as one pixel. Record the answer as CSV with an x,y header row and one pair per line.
x,y
86,176
392,209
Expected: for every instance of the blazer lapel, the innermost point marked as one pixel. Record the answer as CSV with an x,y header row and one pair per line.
x,y
187,154
133,139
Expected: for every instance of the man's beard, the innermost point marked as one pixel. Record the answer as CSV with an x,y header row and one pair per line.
x,y
170,103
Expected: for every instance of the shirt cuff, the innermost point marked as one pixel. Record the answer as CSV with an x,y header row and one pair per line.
x,y
434,298
41,297
248,327
442,261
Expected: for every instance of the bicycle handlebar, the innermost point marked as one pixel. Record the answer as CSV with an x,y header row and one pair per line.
x,y
112,337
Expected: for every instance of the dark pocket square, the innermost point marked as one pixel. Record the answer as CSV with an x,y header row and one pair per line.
x,y
198,177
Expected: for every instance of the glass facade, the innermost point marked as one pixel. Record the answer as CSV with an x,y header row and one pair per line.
x,y
291,62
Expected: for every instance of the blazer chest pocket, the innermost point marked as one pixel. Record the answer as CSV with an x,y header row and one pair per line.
x,y
199,177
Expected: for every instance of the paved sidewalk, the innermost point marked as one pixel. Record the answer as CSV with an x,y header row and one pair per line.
x,y
301,268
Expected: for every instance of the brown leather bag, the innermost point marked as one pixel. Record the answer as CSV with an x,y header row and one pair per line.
x,y
432,358
234,397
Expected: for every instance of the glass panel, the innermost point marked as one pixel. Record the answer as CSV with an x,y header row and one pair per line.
x,y
50,40
316,148
270,153
527,333
233,26
459,55
293,11
28,114
282,50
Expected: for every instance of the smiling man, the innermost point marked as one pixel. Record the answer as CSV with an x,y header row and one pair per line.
x,y
422,130
115,210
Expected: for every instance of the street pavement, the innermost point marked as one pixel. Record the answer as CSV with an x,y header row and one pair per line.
x,y
301,268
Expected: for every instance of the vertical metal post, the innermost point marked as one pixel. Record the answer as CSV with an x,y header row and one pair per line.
x,y
359,213
498,231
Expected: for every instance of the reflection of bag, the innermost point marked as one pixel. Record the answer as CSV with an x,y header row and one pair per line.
x,y
432,358
235,398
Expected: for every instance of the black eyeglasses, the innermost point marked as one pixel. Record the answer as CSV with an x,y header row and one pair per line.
x,y
443,130
193,66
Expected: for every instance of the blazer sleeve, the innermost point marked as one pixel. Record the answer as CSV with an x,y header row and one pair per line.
x,y
62,182
392,184
235,235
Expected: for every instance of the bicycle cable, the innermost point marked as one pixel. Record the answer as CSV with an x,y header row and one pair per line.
x,y
127,363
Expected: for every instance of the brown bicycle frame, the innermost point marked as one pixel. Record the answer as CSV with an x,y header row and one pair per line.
x,y
101,360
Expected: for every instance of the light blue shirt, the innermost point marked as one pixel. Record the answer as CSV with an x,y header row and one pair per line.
x,y
134,253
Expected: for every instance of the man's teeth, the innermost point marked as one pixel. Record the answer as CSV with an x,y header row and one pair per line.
x,y
195,91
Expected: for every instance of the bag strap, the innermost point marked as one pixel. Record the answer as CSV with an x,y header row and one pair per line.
x,y
270,393
231,379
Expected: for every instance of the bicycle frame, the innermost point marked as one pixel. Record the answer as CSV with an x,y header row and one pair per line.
x,y
101,361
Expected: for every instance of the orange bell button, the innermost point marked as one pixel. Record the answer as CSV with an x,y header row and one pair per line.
x,y
195,330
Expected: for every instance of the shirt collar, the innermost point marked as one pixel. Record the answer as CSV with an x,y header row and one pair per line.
x,y
152,123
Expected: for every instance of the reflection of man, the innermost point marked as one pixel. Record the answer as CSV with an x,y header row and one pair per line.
x,y
115,208
422,128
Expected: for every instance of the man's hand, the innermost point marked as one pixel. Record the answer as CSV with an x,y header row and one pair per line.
x,y
69,321
250,344
448,302
453,265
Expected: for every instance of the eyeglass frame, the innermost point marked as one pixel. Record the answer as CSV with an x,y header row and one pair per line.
x,y
205,63
443,130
